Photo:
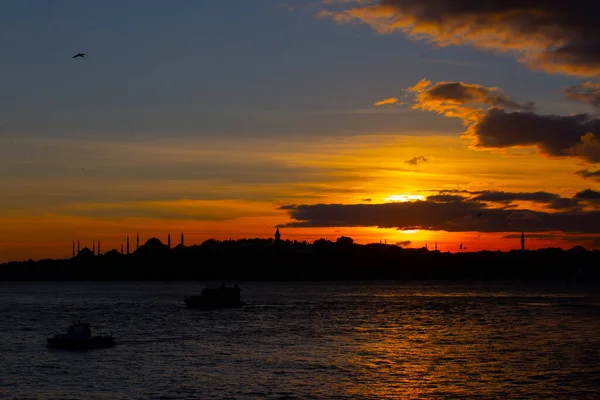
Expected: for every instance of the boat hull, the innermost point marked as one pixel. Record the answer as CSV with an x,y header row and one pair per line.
x,y
98,342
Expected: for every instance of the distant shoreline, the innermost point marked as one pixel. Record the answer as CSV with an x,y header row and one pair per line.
x,y
268,260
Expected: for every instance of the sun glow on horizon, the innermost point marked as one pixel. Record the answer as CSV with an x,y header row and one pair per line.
x,y
403,198
410,231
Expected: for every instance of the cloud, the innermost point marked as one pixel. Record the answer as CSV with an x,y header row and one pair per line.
x,y
405,243
201,210
553,200
555,36
587,174
445,198
416,160
508,199
368,200
454,216
589,195
446,96
553,135
494,121
587,92
388,101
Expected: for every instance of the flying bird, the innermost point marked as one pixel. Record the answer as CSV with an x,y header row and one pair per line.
x,y
79,55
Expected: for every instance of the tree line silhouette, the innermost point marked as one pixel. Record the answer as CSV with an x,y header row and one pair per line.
x,y
268,259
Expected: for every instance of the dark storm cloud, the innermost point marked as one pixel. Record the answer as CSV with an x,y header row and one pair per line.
x,y
552,35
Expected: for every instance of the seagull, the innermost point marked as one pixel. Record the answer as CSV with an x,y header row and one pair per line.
x,y
79,55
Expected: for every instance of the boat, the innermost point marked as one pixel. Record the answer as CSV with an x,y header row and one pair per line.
x,y
215,297
79,336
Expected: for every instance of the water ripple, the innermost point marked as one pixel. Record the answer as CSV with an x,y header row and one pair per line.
x,y
305,341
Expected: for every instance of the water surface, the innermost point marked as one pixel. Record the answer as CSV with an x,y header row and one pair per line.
x,y
305,341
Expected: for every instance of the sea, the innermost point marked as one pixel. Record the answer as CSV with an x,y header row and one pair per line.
x,y
306,340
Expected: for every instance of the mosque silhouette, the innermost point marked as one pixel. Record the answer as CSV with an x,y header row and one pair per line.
x,y
151,245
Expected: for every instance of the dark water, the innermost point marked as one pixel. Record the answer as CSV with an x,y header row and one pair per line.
x,y
306,341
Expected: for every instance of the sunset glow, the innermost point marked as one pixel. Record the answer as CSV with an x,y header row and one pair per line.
x,y
405,197
357,127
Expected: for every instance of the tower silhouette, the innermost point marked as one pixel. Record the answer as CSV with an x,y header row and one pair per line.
x,y
277,235
73,249
169,240
98,247
137,241
182,239
127,244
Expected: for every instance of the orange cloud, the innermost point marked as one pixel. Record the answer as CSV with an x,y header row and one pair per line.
x,y
484,111
460,100
388,101
552,35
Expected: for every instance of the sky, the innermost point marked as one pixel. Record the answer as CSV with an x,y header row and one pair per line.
x,y
408,122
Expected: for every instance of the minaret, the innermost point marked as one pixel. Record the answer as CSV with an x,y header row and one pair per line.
x,y
127,244
169,240
73,249
435,246
522,241
182,238
277,235
98,247
137,241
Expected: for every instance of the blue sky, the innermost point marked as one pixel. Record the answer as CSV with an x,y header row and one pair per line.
x,y
237,68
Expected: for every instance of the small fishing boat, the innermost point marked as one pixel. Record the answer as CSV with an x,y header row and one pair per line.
x,y
215,297
79,336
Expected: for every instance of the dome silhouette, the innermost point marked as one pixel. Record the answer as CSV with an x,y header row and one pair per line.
x,y
84,253
153,243
153,246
